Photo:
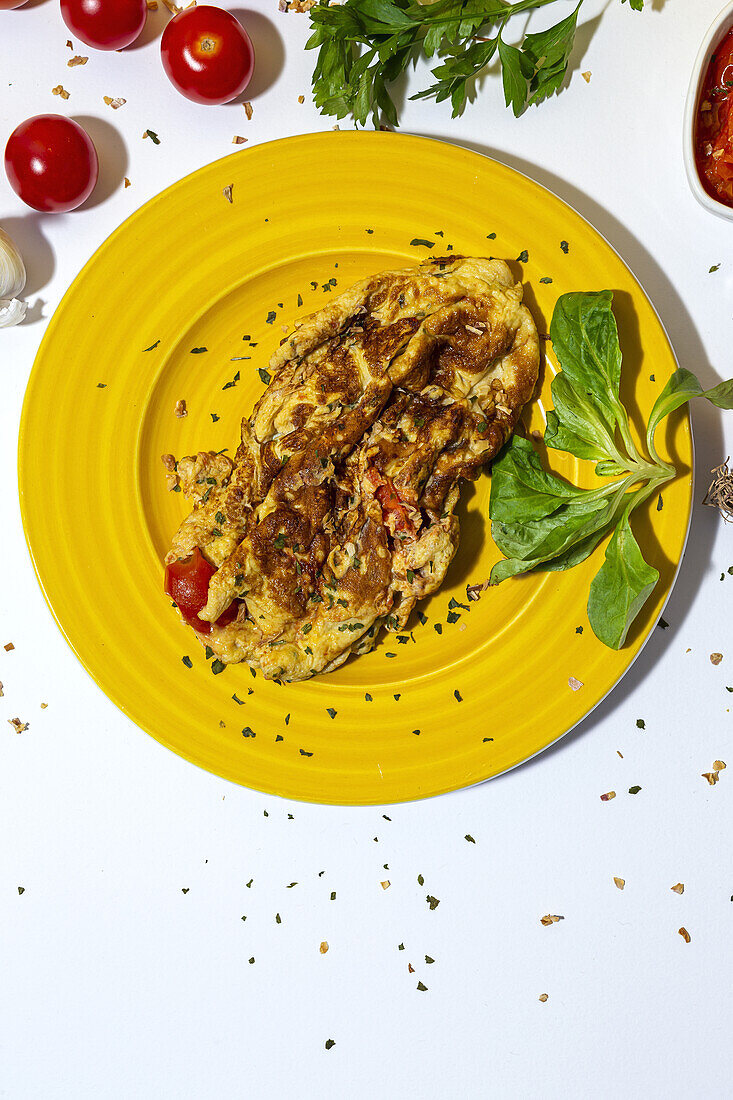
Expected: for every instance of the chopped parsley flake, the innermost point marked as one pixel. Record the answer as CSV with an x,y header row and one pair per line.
x,y
198,351
248,732
421,241
217,666
331,712
264,376
152,346
523,257
187,661
270,319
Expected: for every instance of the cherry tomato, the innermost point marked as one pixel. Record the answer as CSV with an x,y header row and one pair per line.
x,y
207,54
187,583
7,5
51,163
105,24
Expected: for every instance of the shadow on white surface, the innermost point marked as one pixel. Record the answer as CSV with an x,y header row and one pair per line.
x,y
113,158
690,353
269,52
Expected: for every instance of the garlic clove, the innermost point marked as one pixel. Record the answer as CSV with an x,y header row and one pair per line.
x,y
12,312
12,268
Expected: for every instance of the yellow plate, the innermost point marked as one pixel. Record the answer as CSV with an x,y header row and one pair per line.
x,y
457,701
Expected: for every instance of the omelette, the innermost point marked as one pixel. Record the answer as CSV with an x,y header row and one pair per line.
x,y
337,513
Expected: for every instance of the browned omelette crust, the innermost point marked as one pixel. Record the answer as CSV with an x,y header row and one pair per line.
x,y
411,379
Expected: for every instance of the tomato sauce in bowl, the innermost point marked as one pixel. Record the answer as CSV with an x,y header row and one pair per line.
x,y
714,125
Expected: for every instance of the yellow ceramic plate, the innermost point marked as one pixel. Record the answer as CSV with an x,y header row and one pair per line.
x,y
468,693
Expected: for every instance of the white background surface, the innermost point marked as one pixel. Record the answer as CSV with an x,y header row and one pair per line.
x,y
113,982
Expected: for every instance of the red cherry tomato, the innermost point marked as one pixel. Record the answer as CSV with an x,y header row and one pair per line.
x,y
105,24
187,583
207,54
51,163
7,5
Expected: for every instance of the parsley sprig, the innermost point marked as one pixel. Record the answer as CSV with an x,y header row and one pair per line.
x,y
364,45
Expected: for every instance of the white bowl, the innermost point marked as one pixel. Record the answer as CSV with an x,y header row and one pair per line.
x,y
718,30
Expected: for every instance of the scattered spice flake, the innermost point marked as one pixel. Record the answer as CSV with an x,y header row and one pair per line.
x,y
217,666
265,376
18,726
323,948
127,182
550,918
152,346
73,61
60,90
227,192
187,661
2,692
545,279
180,409
153,136
301,99
304,753
185,889
253,958
523,257
640,724
685,934
573,684
608,796
619,754
101,385
420,880
69,43
385,884
565,247
678,888
249,732
715,267
716,658
331,712
712,777
469,838
248,109
718,766
410,968
278,918
663,624
113,103
660,502
620,882
543,997
586,76
238,139
400,947
432,902
333,895
421,241
329,1043
422,988
458,696
428,960
8,646
198,351
21,889
634,790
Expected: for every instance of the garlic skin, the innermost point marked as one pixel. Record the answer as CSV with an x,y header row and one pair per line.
x,y
12,281
12,312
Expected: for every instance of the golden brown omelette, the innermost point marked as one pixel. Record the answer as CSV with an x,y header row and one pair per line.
x,y
338,511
